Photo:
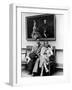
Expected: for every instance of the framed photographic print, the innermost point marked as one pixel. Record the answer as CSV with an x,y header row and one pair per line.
x,y
37,45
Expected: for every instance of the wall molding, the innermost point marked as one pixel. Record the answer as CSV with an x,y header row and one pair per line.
x,y
59,50
59,65
55,49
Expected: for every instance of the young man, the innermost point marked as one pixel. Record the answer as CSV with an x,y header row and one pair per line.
x,y
46,52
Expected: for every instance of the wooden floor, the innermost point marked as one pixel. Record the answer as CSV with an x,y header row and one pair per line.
x,y
58,72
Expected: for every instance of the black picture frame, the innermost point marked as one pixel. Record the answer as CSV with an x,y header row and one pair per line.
x,y
45,23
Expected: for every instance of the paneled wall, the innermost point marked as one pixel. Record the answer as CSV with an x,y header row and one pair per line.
x,y
59,35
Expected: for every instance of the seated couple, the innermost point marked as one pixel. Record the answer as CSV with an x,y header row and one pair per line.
x,y
40,57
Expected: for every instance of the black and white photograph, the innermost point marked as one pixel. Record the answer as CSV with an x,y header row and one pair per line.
x,y
38,45
41,45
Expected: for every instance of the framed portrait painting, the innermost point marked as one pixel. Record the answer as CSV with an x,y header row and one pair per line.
x,y
41,27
